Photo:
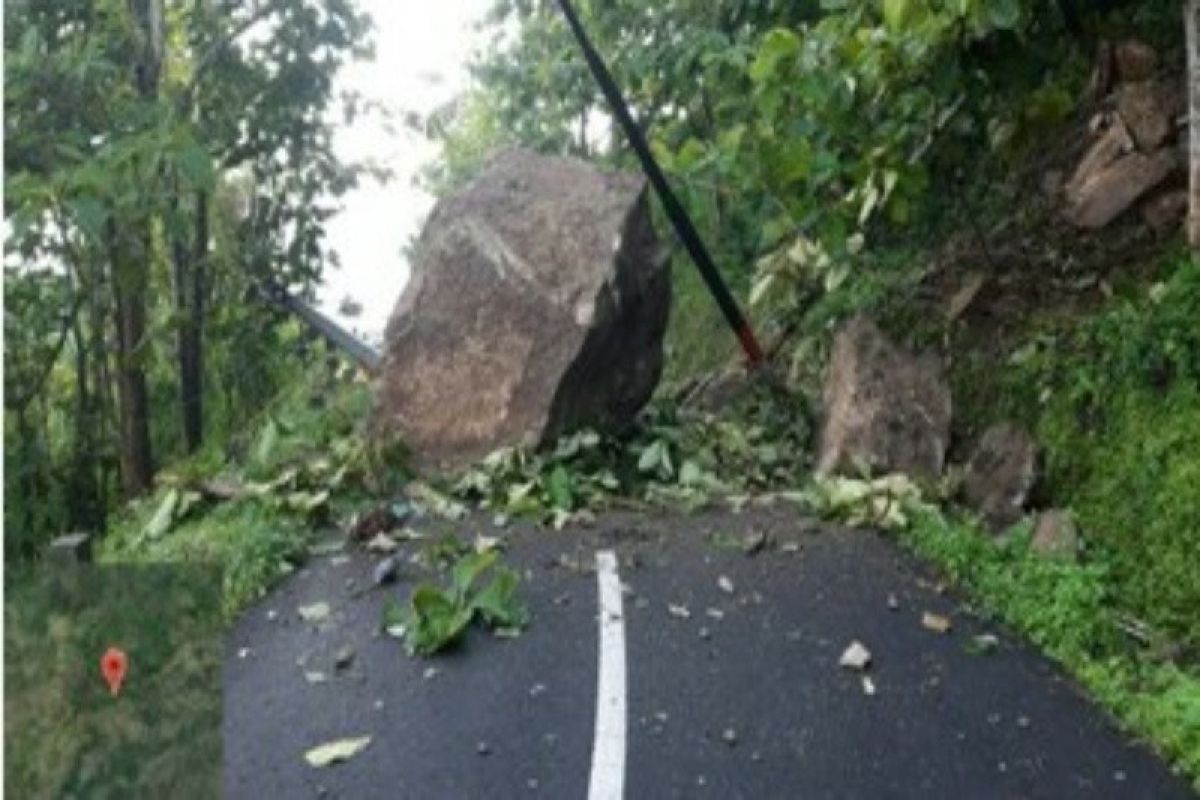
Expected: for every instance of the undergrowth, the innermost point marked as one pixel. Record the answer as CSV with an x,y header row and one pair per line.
x,y
1114,403
294,468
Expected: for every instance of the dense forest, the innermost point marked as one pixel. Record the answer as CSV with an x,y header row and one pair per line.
x,y
166,166
169,168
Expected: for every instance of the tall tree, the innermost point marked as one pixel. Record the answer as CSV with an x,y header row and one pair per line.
x,y
1191,24
130,254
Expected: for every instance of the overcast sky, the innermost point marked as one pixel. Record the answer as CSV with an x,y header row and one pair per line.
x,y
420,62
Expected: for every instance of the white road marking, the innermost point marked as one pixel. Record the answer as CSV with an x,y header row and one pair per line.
x,y
608,750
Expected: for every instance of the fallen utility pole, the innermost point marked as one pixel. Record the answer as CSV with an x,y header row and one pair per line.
x,y
675,212
366,356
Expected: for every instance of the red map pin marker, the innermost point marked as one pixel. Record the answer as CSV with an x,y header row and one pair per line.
x,y
113,665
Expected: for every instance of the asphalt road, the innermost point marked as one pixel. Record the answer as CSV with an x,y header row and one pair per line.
x,y
728,693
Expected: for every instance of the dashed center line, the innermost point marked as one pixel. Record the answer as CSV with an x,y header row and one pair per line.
x,y
608,751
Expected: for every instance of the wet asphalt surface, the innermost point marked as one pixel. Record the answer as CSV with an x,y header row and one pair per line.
x,y
730,693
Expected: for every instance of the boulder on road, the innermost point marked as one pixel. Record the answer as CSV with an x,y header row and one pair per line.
x,y
999,475
537,304
885,409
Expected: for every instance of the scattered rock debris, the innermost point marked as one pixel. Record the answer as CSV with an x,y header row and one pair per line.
x,y
985,643
678,611
317,612
935,622
856,657
382,543
386,570
344,657
754,542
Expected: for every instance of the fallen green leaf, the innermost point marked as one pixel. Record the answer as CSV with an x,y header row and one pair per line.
x,y
335,752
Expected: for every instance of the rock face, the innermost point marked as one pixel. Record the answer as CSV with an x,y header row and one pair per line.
x,y
537,304
1000,474
884,408
1133,149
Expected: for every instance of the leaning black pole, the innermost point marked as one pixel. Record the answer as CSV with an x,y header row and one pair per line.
x,y
675,212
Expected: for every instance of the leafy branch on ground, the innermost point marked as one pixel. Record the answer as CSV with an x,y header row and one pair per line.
x,y
436,618
675,458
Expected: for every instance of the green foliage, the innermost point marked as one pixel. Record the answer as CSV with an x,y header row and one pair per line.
x,y
437,618
1121,429
157,181
255,513
674,458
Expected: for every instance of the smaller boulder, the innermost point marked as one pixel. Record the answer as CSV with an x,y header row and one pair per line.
x,y
1112,190
1134,61
1055,535
1000,474
885,409
1113,142
1164,214
1148,109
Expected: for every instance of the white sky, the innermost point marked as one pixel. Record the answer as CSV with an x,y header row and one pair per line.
x,y
421,51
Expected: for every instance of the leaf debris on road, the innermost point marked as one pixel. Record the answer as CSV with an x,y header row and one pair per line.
x,y
337,751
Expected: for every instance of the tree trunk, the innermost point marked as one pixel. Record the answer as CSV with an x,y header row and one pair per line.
x,y
1191,23
130,274
102,388
83,501
129,316
189,302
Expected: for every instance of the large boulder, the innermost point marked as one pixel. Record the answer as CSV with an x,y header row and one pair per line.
x,y
1000,474
537,304
885,409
